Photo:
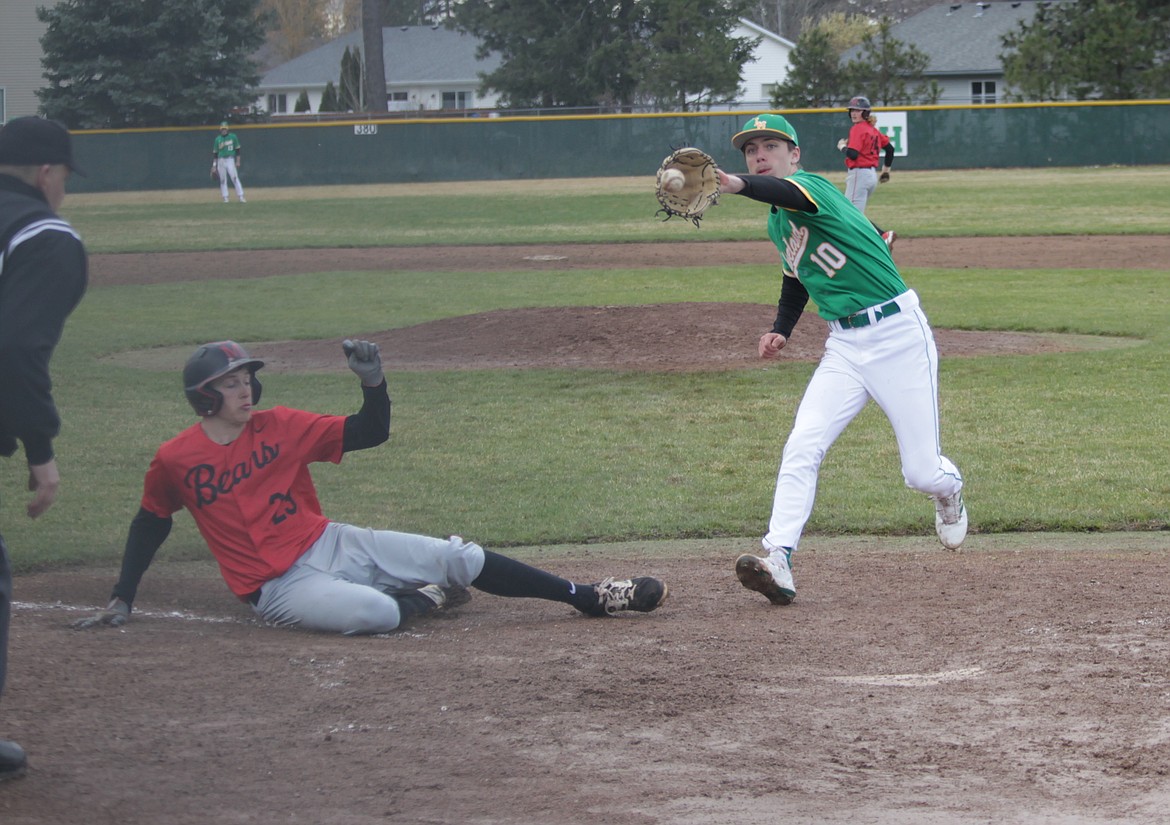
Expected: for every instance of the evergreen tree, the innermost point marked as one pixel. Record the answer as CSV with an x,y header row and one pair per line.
x,y
349,88
575,53
814,75
329,102
689,65
125,63
302,104
1110,49
890,71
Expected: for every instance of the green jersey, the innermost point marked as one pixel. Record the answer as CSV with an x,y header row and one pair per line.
x,y
226,146
835,252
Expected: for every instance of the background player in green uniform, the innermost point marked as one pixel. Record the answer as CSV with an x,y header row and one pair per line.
x,y
225,161
880,346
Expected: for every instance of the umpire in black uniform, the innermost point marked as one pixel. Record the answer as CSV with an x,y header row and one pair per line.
x,y
43,274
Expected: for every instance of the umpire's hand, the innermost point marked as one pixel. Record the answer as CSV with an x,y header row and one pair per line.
x,y
116,614
365,360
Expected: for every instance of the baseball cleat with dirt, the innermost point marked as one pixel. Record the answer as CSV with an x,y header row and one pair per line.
x,y
641,594
950,520
771,576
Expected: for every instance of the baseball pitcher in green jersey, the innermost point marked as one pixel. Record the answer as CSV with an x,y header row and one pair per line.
x,y
880,346
225,160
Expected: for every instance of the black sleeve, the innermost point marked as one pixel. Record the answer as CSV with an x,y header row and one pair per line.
x,y
851,153
44,278
889,155
147,533
777,192
793,298
369,426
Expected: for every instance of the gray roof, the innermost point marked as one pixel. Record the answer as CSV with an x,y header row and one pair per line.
x,y
411,54
962,38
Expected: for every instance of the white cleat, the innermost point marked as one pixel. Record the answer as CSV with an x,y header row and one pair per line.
x,y
771,576
950,520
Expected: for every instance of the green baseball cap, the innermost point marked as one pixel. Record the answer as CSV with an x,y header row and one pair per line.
x,y
224,125
765,126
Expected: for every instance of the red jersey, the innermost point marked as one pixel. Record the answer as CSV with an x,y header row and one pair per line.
x,y
869,143
253,500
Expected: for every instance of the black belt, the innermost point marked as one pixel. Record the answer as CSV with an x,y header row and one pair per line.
x,y
253,598
861,319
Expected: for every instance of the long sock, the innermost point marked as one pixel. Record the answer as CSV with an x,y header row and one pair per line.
x,y
502,576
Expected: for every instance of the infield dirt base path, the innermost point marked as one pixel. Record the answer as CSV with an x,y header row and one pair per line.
x,y
1023,680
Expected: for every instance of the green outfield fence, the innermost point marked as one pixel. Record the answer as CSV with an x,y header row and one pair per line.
x,y
1127,133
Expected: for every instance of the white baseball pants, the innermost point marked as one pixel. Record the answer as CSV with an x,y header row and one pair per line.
x,y
346,581
226,167
894,361
859,185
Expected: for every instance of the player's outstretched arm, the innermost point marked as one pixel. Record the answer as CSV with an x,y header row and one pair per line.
x,y
369,426
147,534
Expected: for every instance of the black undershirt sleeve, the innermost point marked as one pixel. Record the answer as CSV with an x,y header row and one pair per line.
x,y
369,426
147,533
793,298
851,153
777,192
889,155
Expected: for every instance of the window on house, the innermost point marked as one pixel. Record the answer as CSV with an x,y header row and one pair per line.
x,y
278,104
983,91
456,100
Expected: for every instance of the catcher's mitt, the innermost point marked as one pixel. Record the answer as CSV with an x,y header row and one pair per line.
x,y
699,187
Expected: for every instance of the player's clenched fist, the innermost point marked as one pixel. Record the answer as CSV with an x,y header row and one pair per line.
x,y
771,343
365,360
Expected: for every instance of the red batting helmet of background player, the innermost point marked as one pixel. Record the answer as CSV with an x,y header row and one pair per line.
x,y
212,361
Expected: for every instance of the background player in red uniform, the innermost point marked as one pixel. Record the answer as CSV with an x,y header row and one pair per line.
x,y
243,474
861,149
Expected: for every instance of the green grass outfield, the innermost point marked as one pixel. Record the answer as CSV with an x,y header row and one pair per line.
x,y
1064,442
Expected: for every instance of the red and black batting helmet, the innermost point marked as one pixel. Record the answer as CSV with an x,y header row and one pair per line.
x,y
212,361
860,102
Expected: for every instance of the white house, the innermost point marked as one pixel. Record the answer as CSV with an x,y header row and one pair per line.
x,y
963,42
769,69
434,68
427,68
20,57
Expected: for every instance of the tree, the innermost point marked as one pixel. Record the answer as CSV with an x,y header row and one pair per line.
x,y
349,87
576,53
890,71
374,88
689,65
302,104
792,18
329,101
125,63
1110,49
297,25
814,75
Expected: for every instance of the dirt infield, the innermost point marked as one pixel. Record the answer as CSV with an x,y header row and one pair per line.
x,y
1023,680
